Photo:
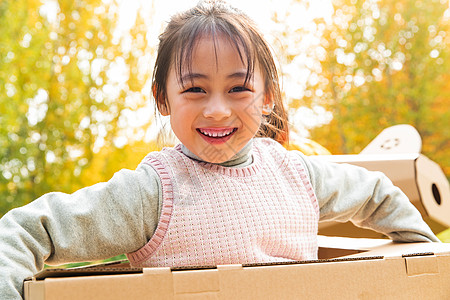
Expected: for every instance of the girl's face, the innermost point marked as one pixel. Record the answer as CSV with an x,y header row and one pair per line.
x,y
215,114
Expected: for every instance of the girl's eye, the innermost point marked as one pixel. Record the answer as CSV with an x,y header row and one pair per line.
x,y
238,89
194,90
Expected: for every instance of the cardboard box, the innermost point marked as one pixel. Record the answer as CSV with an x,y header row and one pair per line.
x,y
348,269
421,179
396,153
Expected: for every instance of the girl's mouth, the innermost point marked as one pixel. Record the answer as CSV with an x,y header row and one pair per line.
x,y
216,135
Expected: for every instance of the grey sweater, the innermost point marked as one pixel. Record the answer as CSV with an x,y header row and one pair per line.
x,y
120,216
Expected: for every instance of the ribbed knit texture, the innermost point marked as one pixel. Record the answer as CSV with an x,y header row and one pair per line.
x,y
212,215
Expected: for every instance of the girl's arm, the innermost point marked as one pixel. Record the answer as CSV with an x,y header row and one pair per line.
x,y
93,223
368,199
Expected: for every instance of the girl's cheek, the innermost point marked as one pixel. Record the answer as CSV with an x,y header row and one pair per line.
x,y
252,103
243,96
247,99
193,96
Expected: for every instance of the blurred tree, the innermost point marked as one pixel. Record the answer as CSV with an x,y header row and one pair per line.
x,y
384,63
68,86
109,160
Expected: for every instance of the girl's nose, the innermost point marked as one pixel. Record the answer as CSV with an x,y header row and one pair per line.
x,y
217,108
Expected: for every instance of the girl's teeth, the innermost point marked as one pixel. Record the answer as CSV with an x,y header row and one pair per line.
x,y
217,134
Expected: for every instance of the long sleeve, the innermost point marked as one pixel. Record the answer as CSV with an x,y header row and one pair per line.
x,y
97,222
368,199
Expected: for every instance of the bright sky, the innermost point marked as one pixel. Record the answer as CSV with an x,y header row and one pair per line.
x,y
260,11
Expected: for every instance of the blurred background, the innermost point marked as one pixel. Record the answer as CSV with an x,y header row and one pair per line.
x,y
75,99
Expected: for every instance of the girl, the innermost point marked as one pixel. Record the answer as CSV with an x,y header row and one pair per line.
x,y
229,193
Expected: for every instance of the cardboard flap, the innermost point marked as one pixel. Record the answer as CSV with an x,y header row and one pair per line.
x,y
421,265
196,282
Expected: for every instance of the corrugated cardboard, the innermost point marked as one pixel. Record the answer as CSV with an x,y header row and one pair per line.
x,y
369,269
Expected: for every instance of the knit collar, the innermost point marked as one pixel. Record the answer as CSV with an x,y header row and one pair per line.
x,y
241,159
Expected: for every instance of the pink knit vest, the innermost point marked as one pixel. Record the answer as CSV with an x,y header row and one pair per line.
x,y
213,215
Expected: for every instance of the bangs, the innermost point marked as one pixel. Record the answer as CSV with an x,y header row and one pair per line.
x,y
212,28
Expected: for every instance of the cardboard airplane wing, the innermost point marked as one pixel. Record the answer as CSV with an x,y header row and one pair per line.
x,y
396,153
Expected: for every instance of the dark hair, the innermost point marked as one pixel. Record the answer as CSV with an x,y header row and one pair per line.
x,y
214,18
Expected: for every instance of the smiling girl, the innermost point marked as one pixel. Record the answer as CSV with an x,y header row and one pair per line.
x,y
229,193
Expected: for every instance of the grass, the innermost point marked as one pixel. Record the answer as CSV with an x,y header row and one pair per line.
x,y
80,264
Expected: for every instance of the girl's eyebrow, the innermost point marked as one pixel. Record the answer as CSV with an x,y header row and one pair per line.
x,y
239,74
192,76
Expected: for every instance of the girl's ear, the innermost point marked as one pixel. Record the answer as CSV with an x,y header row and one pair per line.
x,y
160,103
268,104
163,109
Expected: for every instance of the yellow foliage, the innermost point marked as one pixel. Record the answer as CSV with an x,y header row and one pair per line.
x,y
307,147
109,160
